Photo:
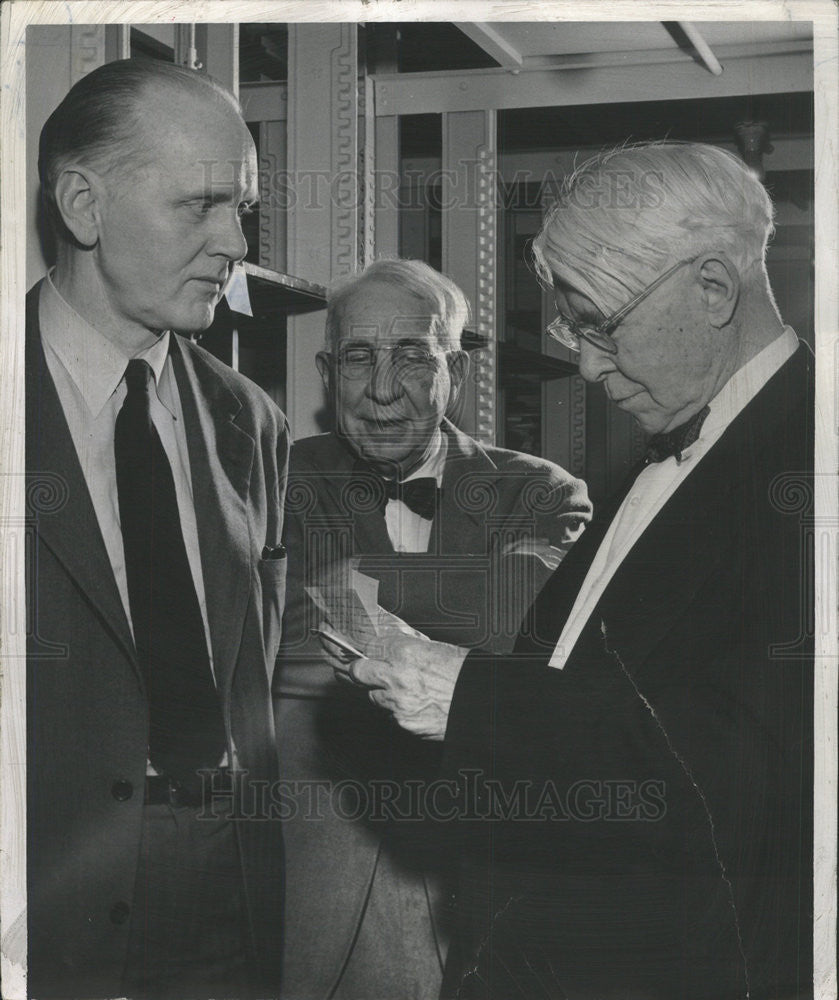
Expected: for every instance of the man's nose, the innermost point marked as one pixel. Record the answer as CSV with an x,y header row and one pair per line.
x,y
595,364
227,239
384,384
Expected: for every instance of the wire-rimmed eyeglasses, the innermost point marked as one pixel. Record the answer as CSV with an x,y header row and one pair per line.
x,y
357,361
569,332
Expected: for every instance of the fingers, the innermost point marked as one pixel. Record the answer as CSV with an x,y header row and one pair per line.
x,y
371,673
346,672
426,721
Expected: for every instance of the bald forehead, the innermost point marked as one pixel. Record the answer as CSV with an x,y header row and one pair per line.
x,y
163,99
195,134
376,309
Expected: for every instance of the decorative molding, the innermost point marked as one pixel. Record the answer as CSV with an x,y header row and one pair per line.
x,y
577,425
272,216
344,165
367,173
485,178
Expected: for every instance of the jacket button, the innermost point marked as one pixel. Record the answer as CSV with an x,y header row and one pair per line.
x,y
122,790
120,912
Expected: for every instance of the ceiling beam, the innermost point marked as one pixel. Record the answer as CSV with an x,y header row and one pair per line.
x,y
470,90
487,37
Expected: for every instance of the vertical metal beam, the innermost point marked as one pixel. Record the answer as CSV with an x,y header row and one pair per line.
x,y
220,54
87,50
469,200
117,41
186,45
386,206
367,176
322,190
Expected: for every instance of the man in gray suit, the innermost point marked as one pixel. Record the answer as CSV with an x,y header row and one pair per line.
x,y
461,537
158,570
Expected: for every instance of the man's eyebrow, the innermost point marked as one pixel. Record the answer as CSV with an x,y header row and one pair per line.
x,y
219,196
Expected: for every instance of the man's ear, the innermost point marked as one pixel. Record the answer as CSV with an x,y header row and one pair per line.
x,y
720,281
323,360
458,362
77,193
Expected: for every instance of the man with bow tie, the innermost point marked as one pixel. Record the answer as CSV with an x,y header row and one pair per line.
x,y
460,537
651,732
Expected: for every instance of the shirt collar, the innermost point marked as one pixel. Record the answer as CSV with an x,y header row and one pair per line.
x,y
747,382
433,465
94,363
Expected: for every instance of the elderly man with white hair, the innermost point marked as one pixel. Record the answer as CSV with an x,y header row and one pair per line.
x,y
460,538
651,732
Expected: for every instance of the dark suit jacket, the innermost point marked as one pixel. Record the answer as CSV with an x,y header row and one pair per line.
x,y
462,590
674,856
87,710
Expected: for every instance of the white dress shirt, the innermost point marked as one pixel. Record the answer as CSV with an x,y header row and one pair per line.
x,y
408,531
88,370
660,480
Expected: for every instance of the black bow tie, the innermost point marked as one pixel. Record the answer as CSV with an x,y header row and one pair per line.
x,y
662,446
371,491
420,495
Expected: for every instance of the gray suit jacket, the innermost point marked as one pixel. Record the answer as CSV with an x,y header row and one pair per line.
x,y
462,590
87,710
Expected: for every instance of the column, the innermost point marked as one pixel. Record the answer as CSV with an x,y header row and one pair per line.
x,y
469,185
323,192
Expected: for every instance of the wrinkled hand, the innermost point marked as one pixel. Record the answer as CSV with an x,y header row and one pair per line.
x,y
411,678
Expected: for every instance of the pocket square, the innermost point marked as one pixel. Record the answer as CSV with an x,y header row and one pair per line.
x,y
275,552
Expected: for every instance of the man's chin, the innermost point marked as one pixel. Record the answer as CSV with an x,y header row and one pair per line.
x,y
196,320
389,457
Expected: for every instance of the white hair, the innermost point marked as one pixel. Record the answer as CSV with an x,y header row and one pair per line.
x,y
627,214
440,296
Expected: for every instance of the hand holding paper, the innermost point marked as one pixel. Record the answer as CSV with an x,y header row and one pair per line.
x,y
412,678
407,674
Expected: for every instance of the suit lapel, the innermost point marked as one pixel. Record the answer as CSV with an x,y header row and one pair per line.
x,y
370,535
544,621
469,485
455,529
680,548
699,525
69,530
220,458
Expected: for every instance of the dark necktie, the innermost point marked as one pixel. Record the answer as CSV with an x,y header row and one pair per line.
x,y
662,446
186,730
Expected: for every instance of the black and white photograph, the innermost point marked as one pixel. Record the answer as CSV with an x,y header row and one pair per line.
x,y
418,500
